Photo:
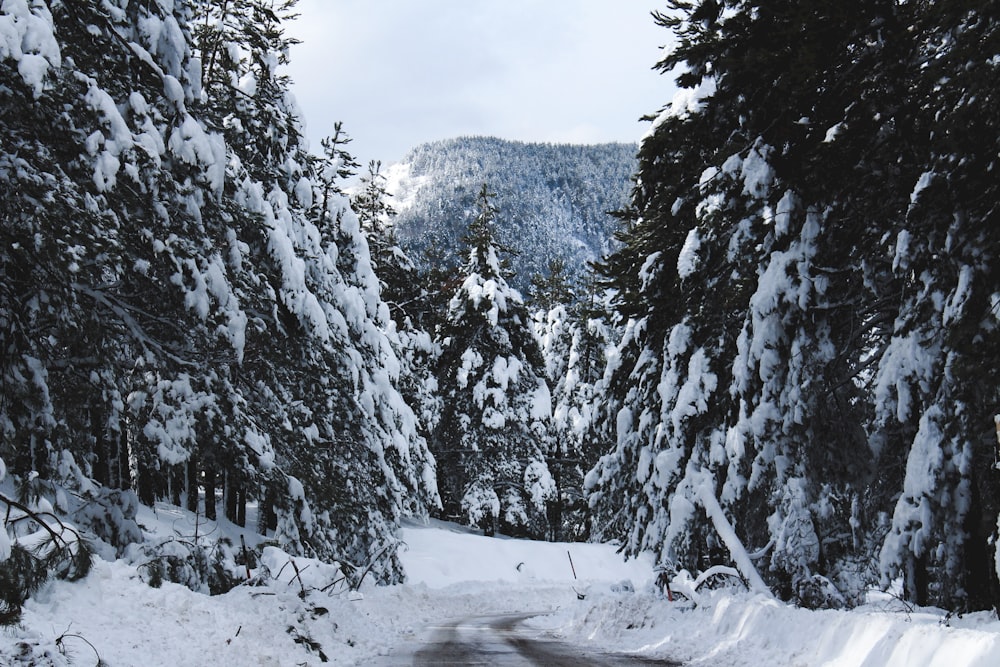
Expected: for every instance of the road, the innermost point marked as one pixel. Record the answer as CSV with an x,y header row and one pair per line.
x,y
502,641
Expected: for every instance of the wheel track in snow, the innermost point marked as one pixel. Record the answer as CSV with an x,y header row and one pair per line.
x,y
501,641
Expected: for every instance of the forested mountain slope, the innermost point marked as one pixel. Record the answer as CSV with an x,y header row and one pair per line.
x,y
552,200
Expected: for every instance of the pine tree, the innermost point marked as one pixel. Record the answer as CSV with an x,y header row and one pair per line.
x,y
573,338
334,420
767,358
172,315
397,274
491,437
932,394
553,288
109,179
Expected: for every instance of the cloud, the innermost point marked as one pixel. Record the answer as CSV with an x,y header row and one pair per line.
x,y
399,72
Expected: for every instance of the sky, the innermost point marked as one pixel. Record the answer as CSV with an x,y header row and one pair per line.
x,y
399,73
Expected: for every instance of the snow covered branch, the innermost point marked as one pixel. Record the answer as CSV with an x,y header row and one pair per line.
x,y
706,496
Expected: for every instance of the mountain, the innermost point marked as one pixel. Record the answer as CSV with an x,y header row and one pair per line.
x,y
552,199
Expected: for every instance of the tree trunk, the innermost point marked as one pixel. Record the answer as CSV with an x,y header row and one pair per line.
x,y
234,499
210,487
241,506
915,581
175,479
101,466
191,484
121,464
263,510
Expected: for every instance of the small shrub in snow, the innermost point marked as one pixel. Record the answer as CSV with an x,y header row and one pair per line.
x,y
202,566
34,546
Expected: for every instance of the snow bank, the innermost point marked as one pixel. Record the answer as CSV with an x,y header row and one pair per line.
x,y
745,629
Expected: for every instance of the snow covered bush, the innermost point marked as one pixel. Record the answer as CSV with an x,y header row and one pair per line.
x,y
35,545
209,566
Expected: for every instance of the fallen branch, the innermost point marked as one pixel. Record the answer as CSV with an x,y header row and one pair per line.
x,y
714,571
728,535
298,575
37,517
60,642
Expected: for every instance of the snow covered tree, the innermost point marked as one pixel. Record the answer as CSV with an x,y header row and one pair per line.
x,y
786,200
552,288
336,422
396,273
573,339
172,315
131,176
403,292
490,439
933,395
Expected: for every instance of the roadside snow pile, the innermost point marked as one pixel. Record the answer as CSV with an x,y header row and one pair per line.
x,y
294,610
738,629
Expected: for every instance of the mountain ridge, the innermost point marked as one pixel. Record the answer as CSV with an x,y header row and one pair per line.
x,y
553,200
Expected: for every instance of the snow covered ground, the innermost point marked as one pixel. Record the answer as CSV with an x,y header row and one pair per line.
x,y
115,616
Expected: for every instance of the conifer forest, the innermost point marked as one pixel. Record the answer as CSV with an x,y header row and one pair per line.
x,y
766,336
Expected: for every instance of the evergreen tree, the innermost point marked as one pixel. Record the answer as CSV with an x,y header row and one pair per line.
x,y
573,340
553,288
767,362
335,421
490,439
402,291
172,315
396,272
933,395
109,180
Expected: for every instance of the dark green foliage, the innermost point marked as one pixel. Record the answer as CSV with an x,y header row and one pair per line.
x,y
21,575
806,278
552,288
56,550
208,566
187,300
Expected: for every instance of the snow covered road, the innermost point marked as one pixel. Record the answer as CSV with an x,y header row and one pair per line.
x,y
503,641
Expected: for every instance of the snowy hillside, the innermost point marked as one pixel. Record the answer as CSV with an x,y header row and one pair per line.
x,y
304,616
553,199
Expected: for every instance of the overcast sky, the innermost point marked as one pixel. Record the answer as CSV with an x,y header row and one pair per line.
x,y
399,73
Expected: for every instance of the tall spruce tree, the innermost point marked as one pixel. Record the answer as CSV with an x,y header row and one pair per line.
x,y
336,422
173,313
933,395
110,180
491,437
573,338
768,363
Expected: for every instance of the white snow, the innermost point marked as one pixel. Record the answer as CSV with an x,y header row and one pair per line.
x,y
922,184
687,260
648,270
756,173
686,102
833,132
455,573
27,36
